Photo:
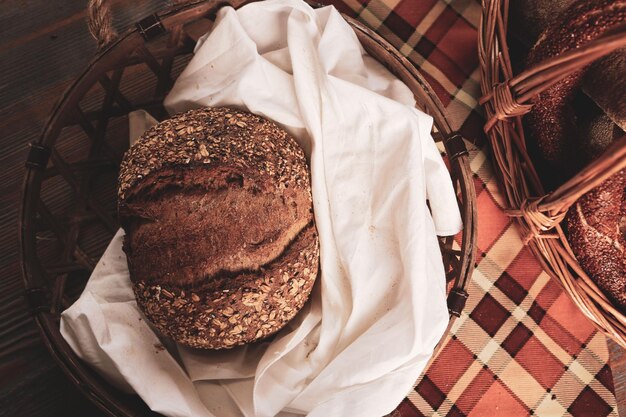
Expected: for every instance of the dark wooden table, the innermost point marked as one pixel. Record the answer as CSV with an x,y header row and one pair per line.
x,y
43,45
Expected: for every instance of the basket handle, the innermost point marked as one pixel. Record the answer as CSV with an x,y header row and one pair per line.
x,y
100,21
513,97
613,160
543,214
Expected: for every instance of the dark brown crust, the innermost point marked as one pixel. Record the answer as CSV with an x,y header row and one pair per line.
x,y
251,307
596,234
220,240
198,225
552,120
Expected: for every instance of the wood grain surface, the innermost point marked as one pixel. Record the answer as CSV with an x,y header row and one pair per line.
x,y
43,46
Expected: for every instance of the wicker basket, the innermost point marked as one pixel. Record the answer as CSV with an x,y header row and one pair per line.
x,y
506,98
68,211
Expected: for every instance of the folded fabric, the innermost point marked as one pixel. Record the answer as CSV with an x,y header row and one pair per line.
x,y
378,308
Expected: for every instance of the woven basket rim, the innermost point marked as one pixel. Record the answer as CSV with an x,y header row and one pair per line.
x,y
41,296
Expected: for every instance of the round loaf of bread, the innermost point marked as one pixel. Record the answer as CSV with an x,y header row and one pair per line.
x,y
220,238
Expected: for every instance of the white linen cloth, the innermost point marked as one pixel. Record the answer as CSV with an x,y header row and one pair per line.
x,y
379,306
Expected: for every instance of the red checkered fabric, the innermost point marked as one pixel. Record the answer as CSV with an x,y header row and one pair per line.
x,y
520,347
439,38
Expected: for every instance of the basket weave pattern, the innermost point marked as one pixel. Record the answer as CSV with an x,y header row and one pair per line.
x,y
506,98
68,212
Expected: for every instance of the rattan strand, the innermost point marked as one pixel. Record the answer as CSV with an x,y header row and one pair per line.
x,y
507,97
59,249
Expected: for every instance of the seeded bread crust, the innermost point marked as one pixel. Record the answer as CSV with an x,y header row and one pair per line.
x,y
214,136
220,238
596,227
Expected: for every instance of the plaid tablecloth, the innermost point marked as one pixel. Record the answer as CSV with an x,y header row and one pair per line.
x,y
520,347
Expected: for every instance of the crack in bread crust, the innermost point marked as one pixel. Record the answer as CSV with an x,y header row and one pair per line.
x,y
236,230
224,318
212,136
